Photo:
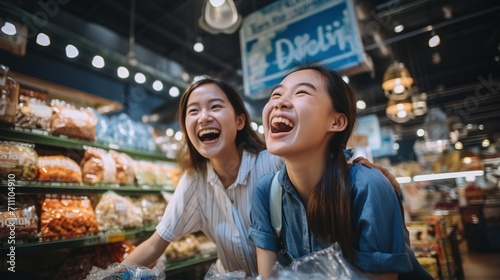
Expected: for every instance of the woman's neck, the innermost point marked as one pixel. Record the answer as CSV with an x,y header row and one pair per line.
x,y
305,171
227,167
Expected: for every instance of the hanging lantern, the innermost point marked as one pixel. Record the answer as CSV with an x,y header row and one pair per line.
x,y
400,111
397,81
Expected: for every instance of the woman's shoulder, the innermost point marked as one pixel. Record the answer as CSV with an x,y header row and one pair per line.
x,y
362,176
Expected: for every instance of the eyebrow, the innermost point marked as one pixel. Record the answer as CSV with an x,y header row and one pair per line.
x,y
309,85
209,101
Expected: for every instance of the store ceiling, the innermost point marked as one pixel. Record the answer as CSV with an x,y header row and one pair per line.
x,y
461,76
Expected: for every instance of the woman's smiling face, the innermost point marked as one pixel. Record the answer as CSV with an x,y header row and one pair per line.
x,y
211,122
299,114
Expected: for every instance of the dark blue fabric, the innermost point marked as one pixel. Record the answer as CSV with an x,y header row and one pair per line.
x,y
378,223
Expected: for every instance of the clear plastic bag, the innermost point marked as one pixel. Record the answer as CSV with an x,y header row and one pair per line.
x,y
117,271
328,263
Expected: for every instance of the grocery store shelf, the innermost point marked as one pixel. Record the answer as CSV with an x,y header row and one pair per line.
x,y
29,187
42,138
104,238
73,96
197,259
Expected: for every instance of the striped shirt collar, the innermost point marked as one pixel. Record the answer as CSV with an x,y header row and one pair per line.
x,y
247,161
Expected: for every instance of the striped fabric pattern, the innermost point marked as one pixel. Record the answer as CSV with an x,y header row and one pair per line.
x,y
223,215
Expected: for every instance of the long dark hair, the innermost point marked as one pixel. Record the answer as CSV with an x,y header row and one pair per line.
x,y
188,157
329,206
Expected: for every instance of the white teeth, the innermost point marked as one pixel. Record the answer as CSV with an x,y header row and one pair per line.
x,y
288,122
207,131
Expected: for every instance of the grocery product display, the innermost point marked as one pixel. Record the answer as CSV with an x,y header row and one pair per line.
x,y
80,183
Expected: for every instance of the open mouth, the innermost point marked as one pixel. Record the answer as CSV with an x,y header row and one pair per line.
x,y
280,124
208,135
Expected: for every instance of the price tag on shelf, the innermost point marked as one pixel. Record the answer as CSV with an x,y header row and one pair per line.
x,y
116,237
91,241
114,146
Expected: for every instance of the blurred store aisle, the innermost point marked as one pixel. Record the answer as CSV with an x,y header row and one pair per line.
x,y
481,265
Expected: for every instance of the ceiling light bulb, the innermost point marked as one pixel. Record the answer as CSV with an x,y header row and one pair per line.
x,y
485,143
71,51
360,104
217,3
420,132
198,47
9,28
122,72
459,145
174,91
157,85
42,39
221,17
98,61
399,89
140,78
434,41
399,28
402,114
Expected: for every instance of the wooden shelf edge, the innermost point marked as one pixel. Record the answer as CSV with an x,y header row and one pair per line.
x,y
72,96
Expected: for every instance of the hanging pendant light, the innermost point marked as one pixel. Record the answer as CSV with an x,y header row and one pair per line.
x,y
400,111
220,16
397,81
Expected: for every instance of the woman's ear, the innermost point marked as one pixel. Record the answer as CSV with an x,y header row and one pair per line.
x,y
240,121
339,123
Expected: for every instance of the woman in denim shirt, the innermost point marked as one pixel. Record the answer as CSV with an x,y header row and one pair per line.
x,y
307,121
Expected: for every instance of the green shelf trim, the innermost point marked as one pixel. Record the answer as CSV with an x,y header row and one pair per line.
x,y
102,238
68,188
42,138
197,259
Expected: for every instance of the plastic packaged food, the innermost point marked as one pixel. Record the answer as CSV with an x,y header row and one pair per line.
x,y
124,168
67,217
9,95
58,168
17,160
23,218
116,212
33,111
77,123
152,207
145,172
98,166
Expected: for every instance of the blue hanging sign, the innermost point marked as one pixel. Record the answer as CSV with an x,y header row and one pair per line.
x,y
273,38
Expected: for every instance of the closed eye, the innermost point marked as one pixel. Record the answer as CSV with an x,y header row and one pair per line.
x,y
302,92
275,95
192,111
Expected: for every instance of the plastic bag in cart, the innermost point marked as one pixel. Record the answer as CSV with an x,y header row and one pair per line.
x,y
327,264
118,271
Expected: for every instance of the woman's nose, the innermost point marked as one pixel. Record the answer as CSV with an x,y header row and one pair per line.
x,y
281,104
205,117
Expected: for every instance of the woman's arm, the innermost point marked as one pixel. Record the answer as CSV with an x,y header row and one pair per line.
x,y
265,261
147,252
